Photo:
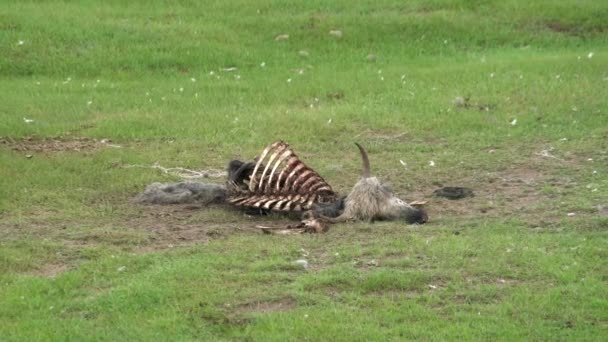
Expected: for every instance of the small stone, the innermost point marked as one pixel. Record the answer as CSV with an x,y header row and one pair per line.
x,y
336,33
301,262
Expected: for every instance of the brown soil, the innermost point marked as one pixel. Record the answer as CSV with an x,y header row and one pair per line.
x,y
514,192
54,144
170,226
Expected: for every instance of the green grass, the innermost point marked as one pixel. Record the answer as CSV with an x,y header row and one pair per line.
x,y
80,261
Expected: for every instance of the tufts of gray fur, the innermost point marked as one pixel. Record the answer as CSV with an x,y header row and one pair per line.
x,y
182,192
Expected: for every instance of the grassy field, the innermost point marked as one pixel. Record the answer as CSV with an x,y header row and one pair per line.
x,y
506,97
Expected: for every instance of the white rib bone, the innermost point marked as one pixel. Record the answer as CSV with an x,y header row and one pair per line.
x,y
253,182
270,160
285,154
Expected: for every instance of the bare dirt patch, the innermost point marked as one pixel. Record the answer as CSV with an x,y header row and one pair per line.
x,y
190,224
172,225
516,190
49,270
264,307
241,314
573,29
55,144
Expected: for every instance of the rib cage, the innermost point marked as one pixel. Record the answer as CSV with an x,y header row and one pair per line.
x,y
280,181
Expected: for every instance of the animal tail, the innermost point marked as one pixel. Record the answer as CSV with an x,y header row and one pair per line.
x,y
366,173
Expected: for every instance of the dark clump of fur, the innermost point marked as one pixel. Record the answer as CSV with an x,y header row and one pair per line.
x,y
333,209
418,215
454,192
182,192
239,171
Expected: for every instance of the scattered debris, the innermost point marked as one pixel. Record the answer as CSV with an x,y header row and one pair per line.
x,y
281,37
431,163
107,143
183,172
371,57
418,203
228,69
571,214
305,226
336,33
372,263
301,262
465,102
454,192
513,122
27,121
303,53
121,268
547,154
